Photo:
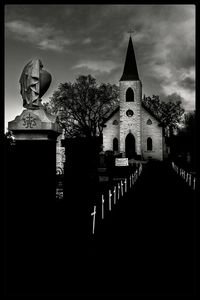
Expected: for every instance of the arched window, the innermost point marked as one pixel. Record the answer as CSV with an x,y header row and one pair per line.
x,y
115,144
129,95
149,144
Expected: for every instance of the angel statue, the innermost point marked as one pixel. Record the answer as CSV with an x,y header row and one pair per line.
x,y
34,83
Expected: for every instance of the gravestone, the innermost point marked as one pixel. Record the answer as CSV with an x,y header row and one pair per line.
x,y
31,177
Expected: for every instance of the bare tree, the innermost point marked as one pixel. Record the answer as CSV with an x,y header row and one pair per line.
x,y
170,111
82,106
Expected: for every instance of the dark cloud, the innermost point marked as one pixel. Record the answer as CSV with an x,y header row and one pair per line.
x,y
174,97
182,54
188,83
95,38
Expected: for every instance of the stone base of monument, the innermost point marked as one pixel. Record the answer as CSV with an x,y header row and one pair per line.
x,y
35,124
31,190
34,154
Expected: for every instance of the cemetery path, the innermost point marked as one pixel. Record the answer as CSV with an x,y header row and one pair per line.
x,y
144,245
147,240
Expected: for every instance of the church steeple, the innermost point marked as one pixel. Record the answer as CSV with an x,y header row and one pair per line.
x,y
130,67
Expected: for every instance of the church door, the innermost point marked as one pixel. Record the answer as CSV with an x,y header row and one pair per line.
x,y
130,146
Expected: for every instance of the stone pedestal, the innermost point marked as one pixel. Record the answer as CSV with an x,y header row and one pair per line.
x,y
35,125
31,188
34,155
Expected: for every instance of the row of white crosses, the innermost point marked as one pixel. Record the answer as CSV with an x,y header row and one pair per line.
x,y
118,191
185,175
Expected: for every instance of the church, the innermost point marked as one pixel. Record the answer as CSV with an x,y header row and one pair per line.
x,y
131,129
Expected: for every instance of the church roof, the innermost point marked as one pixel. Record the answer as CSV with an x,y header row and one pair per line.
x,y
130,67
152,113
112,114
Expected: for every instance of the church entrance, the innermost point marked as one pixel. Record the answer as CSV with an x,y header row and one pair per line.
x,y
130,146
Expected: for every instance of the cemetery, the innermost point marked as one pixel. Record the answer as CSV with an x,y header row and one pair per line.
x,y
88,222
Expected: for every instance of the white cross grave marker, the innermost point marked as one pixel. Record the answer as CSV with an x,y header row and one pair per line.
x,y
102,206
187,177
118,191
132,179
93,214
140,169
114,194
122,187
194,181
110,195
125,185
190,178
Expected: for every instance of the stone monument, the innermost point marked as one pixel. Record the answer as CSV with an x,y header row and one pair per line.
x,y
31,178
34,122
35,131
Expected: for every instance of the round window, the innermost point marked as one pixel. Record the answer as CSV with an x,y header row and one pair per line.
x,y
115,122
129,113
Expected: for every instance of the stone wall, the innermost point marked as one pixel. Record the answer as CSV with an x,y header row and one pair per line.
x,y
153,131
130,124
110,132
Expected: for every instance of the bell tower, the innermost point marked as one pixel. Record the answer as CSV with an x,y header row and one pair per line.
x,y
130,106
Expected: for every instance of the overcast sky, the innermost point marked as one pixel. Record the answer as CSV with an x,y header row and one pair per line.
x,y
72,40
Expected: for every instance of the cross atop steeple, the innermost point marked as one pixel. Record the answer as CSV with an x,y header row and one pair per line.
x,y
131,30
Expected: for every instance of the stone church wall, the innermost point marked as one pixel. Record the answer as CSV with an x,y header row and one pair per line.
x,y
110,132
130,124
153,131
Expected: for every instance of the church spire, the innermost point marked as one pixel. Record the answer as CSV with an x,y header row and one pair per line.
x,y
130,67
